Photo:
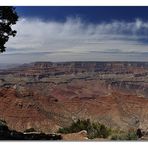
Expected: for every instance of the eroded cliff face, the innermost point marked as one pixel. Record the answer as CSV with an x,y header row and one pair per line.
x,y
47,96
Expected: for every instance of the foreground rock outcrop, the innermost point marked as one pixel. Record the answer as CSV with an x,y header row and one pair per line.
x,y
7,134
80,136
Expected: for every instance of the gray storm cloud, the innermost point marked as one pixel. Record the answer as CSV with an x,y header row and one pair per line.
x,y
75,38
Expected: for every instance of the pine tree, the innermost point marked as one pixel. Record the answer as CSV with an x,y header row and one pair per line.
x,y
8,17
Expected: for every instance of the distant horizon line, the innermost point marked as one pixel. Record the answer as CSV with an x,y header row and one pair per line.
x,y
74,61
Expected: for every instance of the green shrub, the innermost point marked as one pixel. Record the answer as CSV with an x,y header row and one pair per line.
x,y
94,130
30,130
119,137
130,135
114,137
104,131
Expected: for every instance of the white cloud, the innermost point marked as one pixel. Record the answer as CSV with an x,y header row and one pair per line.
x,y
76,37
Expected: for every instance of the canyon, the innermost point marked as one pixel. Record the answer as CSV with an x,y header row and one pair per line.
x,y
49,95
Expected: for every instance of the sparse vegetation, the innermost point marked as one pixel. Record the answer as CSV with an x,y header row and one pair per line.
x,y
97,130
94,130
30,130
130,135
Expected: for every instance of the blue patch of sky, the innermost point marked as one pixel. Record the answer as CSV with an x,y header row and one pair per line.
x,y
91,14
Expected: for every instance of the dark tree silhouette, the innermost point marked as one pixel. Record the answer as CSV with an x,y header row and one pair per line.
x,y
139,133
8,17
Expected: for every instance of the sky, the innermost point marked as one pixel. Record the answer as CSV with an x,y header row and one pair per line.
x,y
78,34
